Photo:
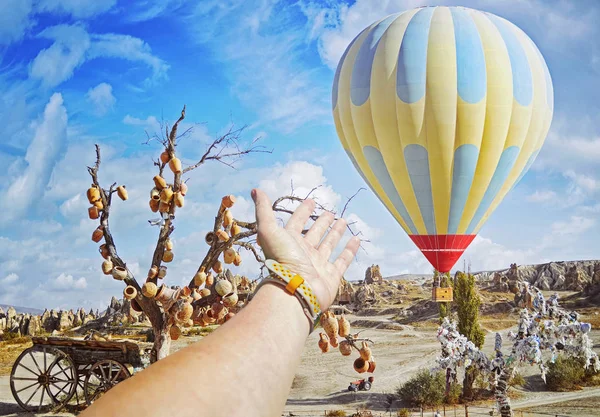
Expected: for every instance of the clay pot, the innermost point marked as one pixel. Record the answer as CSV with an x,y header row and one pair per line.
x,y
344,326
207,318
136,306
166,195
181,311
164,207
222,235
210,238
129,292
218,311
210,280
162,272
178,199
175,332
372,365
104,251
329,323
199,278
168,244
229,255
99,204
189,323
153,271
227,201
217,267
237,261
230,300
324,342
227,218
159,182
229,316
365,351
333,340
166,295
93,194
122,192
164,157
175,165
155,194
149,289
183,188
185,292
235,229
119,273
98,234
107,267
223,287
93,212
167,256
196,294
154,205
204,292
345,348
360,365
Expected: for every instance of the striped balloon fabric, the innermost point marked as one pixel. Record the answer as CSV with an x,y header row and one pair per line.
x,y
442,110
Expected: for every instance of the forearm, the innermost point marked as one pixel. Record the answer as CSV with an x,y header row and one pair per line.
x,y
245,367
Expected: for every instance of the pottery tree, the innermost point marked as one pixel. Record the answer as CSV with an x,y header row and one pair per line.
x,y
209,298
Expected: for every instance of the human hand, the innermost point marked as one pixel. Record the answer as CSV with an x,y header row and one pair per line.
x,y
305,255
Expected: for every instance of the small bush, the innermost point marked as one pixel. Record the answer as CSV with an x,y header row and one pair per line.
x,y
403,412
516,380
453,395
336,413
568,374
424,389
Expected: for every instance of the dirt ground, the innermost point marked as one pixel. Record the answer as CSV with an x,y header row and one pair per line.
x,y
322,379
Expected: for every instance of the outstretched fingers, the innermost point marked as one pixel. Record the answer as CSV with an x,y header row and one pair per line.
x,y
300,217
345,259
265,217
319,228
333,238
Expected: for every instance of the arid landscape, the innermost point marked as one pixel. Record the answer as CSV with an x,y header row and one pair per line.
x,y
402,321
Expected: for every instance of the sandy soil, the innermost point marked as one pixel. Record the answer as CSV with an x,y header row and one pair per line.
x,y
322,379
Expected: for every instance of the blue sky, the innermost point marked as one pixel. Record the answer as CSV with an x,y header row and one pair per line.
x,y
78,72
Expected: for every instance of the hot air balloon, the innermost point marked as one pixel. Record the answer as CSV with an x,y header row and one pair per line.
x,y
442,110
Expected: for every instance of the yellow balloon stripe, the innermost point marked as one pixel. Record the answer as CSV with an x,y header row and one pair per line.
x,y
383,109
497,117
346,123
440,112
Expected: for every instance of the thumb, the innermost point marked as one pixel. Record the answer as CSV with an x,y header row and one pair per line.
x,y
265,217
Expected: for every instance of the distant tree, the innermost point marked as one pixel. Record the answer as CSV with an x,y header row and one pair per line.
x,y
467,309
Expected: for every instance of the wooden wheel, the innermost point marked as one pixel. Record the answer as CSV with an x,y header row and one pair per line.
x,y
43,379
103,376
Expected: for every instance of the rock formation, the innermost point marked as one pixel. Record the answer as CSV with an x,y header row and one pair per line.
x,y
373,275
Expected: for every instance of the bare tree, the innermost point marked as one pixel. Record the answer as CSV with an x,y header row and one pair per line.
x,y
207,299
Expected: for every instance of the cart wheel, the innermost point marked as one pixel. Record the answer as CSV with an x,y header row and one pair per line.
x,y
43,379
367,386
103,376
352,388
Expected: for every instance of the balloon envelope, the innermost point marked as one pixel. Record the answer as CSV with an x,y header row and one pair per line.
x,y
442,110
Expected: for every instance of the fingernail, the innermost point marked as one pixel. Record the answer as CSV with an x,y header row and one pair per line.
x,y
253,194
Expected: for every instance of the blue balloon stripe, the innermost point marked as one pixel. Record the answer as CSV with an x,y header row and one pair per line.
x,y
417,163
465,163
338,70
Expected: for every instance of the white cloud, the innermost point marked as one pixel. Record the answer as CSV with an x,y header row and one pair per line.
x,y
73,46
575,226
76,8
14,20
151,125
145,10
68,283
542,196
43,152
101,97
10,278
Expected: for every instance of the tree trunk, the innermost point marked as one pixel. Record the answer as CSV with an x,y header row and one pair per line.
x,y
470,373
501,393
162,344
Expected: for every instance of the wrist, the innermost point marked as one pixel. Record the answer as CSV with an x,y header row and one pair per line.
x,y
277,301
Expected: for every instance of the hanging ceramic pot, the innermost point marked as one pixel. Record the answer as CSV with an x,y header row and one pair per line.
x,y
223,287
199,278
107,267
159,182
174,332
183,188
129,292
235,229
164,207
228,201
345,348
103,249
372,365
184,313
217,267
178,199
229,255
149,289
168,244
185,292
227,218
329,323
222,235
154,205
218,311
237,261
153,272
93,212
166,195
167,256
205,292
323,342
99,204
189,323
164,157
93,194
196,294
230,300
119,273
98,234
167,296
136,306
361,366
155,194
229,316
210,238
333,340
162,272
122,192
365,351
344,326
175,165
207,318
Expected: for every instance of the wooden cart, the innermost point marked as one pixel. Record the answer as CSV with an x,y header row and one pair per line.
x,y
57,371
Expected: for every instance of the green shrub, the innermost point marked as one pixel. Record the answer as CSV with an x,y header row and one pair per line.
x,y
453,395
424,389
403,412
565,374
516,380
336,413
